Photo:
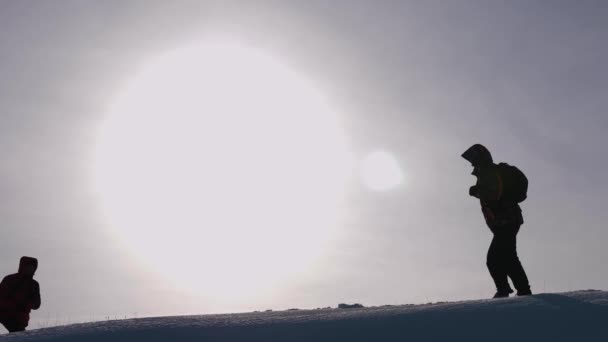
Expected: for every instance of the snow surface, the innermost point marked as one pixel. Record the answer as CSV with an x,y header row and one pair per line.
x,y
572,316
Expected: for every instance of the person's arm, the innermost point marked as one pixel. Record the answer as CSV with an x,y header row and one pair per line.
x,y
488,187
3,288
35,296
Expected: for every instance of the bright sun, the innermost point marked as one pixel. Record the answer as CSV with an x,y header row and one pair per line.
x,y
222,168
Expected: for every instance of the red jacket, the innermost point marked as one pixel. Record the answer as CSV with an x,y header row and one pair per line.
x,y
19,294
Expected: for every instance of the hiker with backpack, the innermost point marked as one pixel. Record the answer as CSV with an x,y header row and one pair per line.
x,y
19,294
500,188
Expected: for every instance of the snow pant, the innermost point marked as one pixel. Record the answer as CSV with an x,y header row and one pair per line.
x,y
504,263
12,324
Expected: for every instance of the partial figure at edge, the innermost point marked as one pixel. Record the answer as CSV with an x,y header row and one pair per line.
x,y
19,294
500,188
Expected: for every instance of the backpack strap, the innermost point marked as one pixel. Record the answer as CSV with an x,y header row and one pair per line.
x,y
500,183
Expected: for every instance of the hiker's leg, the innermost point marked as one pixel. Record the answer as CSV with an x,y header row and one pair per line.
x,y
497,265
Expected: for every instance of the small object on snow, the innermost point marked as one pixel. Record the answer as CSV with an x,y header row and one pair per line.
x,y
349,306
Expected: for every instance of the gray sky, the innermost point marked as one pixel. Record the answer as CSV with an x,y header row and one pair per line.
x,y
421,79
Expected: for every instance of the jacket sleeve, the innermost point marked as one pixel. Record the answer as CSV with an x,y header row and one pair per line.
x,y
3,288
489,186
35,296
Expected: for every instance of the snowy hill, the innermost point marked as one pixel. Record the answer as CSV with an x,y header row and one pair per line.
x,y
573,316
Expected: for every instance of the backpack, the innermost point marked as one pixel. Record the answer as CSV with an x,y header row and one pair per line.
x,y
514,183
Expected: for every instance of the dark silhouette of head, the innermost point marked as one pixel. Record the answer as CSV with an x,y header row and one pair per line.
x,y
478,155
28,266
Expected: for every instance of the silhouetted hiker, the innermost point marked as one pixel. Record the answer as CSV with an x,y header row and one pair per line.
x,y
500,188
19,294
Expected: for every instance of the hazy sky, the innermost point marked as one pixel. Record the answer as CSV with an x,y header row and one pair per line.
x,y
421,79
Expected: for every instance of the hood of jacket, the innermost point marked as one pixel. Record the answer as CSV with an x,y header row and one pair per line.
x,y
26,261
478,155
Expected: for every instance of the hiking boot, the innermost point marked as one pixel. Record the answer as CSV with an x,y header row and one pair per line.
x,y
503,293
527,292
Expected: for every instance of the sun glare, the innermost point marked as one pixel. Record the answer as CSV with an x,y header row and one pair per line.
x,y
223,169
